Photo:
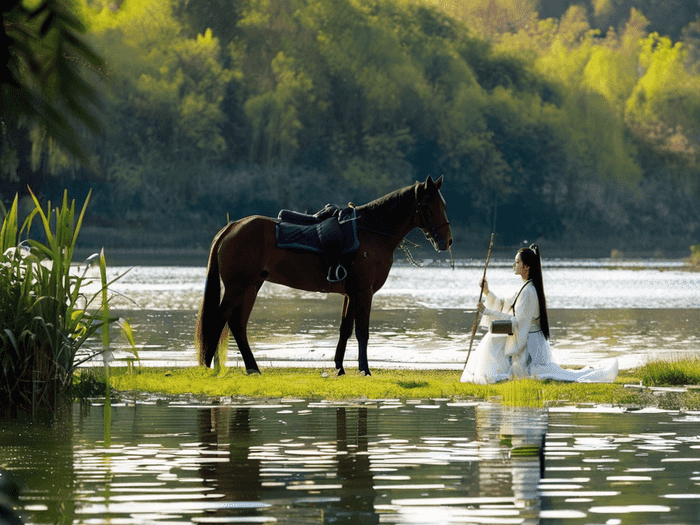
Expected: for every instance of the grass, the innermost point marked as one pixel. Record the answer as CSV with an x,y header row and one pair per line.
x,y
677,372
407,384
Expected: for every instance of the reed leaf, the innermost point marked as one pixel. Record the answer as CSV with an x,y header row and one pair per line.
x,y
8,233
44,311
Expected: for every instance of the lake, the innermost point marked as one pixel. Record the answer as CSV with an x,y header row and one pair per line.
x,y
422,317
163,460
376,461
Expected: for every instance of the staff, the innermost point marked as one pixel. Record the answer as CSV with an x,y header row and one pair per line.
x,y
476,321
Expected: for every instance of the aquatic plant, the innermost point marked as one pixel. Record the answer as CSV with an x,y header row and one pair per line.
x,y
45,315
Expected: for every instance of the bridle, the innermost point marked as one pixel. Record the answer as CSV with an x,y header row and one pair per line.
x,y
429,229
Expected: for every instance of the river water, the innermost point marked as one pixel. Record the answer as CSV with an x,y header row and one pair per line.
x,y
422,317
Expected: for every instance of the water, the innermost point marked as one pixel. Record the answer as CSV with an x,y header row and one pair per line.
x,y
378,461
422,317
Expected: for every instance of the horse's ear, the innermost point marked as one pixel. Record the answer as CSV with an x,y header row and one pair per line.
x,y
429,182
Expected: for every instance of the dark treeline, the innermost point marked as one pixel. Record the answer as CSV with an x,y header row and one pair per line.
x,y
541,122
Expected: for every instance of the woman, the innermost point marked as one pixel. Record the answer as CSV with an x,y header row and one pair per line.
x,y
526,351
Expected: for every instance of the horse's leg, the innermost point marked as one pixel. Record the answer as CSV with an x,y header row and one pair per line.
x,y
363,304
214,336
238,325
347,321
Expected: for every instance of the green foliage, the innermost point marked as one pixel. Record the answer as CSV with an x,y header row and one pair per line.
x,y
45,65
561,115
44,310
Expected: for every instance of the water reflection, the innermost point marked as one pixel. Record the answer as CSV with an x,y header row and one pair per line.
x,y
328,479
353,469
514,453
383,461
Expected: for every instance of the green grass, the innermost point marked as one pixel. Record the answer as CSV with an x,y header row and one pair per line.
x,y
676,372
305,383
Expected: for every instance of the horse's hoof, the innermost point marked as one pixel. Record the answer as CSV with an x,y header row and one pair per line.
x,y
341,371
251,371
366,373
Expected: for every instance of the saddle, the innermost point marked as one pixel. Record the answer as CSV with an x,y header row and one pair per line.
x,y
331,231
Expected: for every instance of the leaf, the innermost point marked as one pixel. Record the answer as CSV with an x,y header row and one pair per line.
x,y
8,234
129,334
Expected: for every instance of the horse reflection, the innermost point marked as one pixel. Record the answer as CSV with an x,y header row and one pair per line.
x,y
229,429
249,476
357,496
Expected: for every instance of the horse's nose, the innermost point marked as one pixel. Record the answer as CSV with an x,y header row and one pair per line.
x,y
449,242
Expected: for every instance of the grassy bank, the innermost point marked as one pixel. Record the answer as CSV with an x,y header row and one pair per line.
x,y
415,384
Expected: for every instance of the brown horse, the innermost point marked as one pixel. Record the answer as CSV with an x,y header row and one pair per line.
x,y
244,255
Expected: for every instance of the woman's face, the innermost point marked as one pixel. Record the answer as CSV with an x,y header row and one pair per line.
x,y
519,268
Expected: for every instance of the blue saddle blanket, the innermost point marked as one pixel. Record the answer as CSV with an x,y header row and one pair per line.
x,y
337,233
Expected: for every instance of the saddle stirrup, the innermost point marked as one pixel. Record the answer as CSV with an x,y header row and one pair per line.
x,y
337,276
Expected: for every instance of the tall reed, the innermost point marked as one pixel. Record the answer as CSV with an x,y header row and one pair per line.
x,y
45,314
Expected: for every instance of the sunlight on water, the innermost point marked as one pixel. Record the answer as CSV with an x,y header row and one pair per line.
x,y
422,317
308,462
173,288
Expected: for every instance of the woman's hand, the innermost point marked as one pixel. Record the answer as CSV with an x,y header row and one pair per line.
x,y
480,311
484,284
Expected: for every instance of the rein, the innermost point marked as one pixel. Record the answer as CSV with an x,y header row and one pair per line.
x,y
405,245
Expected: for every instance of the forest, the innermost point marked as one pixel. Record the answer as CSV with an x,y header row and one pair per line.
x,y
577,124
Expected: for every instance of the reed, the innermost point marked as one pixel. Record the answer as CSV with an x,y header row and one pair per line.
x,y
45,315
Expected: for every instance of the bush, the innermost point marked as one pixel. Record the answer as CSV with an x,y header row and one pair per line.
x,y
44,316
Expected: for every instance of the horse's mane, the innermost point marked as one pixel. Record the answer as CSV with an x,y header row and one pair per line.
x,y
392,199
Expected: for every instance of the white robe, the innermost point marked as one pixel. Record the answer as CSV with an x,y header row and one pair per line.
x,y
525,353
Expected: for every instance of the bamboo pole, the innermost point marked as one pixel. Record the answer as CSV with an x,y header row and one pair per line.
x,y
481,292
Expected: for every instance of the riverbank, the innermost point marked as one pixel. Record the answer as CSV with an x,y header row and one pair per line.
x,y
665,385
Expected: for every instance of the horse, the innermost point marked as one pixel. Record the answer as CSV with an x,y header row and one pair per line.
x,y
244,255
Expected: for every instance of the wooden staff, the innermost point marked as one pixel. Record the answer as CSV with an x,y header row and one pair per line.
x,y
476,321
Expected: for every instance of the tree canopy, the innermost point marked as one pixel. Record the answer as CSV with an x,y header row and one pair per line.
x,y
546,124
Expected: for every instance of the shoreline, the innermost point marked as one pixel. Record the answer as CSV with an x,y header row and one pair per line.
x,y
165,256
228,384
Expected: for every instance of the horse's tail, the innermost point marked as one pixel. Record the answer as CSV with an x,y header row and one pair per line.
x,y
209,327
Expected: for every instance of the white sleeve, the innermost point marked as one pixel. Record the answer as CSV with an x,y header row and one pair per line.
x,y
526,309
494,305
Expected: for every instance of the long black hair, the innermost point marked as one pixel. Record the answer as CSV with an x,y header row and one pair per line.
x,y
531,257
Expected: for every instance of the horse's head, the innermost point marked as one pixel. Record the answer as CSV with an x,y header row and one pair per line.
x,y
432,214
